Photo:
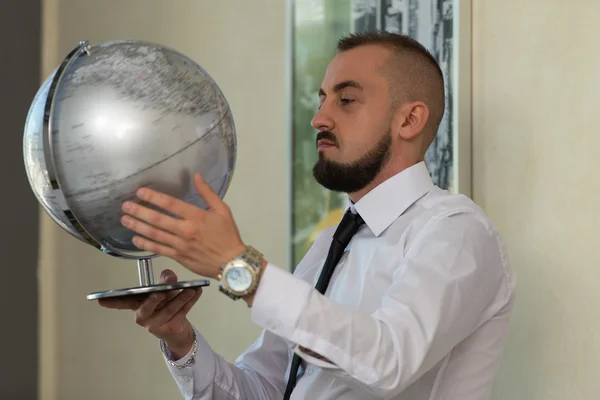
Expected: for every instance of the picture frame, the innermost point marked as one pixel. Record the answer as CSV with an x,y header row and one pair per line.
x,y
442,26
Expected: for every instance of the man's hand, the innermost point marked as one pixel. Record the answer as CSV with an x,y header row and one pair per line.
x,y
200,240
164,314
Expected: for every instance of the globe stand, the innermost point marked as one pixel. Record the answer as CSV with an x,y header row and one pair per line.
x,y
145,272
51,163
147,284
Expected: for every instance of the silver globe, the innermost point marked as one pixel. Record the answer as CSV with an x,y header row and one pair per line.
x,y
114,117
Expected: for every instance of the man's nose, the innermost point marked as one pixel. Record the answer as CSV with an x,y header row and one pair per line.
x,y
322,120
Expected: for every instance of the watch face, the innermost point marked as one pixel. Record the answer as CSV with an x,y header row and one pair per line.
x,y
239,279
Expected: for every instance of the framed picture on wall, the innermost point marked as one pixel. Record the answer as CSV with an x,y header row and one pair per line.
x,y
442,26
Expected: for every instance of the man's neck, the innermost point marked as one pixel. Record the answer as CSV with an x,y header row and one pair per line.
x,y
386,173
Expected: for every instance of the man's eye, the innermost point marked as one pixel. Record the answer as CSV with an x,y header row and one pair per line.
x,y
345,102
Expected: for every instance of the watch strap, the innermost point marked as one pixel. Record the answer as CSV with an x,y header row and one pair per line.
x,y
251,257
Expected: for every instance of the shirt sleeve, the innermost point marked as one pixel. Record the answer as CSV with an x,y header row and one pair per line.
x,y
258,374
440,293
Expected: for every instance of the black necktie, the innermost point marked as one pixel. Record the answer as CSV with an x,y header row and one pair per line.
x,y
344,232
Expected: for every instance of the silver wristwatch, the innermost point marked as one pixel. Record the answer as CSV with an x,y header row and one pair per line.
x,y
239,277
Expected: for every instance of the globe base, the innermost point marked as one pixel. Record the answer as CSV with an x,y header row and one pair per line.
x,y
147,285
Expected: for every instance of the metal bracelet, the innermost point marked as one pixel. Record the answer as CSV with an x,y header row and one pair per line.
x,y
163,348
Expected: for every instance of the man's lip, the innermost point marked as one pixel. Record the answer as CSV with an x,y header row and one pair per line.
x,y
324,142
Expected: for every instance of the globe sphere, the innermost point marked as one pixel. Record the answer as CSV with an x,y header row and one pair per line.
x,y
117,116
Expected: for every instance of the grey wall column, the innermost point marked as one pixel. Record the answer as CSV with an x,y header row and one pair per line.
x,y
20,42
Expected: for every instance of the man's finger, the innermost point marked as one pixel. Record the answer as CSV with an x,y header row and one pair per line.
x,y
181,315
121,303
169,295
167,203
155,247
188,306
168,276
160,228
176,304
148,307
212,199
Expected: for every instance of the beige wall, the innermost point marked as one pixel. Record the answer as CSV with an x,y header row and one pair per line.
x,y
535,146
93,353
536,153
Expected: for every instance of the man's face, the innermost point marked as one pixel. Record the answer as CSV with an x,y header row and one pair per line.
x,y
354,139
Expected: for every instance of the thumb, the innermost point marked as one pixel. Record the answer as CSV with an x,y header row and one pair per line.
x,y
212,199
168,276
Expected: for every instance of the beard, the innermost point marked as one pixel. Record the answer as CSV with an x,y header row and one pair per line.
x,y
354,176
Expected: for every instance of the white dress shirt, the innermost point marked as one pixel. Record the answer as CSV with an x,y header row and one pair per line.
x,y
417,309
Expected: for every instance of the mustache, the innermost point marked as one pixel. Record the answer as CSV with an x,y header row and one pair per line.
x,y
327,135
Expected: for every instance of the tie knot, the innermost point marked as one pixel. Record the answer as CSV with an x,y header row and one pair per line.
x,y
348,227
357,218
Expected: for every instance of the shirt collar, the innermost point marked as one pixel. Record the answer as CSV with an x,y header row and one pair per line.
x,y
390,199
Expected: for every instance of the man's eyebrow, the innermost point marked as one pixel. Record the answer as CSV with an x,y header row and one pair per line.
x,y
341,86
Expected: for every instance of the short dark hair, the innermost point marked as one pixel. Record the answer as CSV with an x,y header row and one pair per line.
x,y
413,71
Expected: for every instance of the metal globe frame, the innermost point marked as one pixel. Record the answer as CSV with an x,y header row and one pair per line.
x,y
147,283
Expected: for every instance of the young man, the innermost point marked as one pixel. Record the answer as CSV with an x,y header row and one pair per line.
x,y
418,305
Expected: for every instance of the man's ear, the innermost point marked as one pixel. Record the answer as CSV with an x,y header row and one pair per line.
x,y
410,119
